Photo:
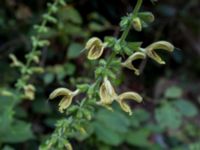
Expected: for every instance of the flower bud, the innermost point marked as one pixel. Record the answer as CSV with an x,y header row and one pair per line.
x,y
95,48
128,63
137,25
163,45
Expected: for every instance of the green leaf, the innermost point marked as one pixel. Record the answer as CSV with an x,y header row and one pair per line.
x,y
168,117
48,78
111,127
186,108
41,106
18,132
134,46
70,14
69,69
173,92
74,50
96,27
107,136
115,121
139,137
140,114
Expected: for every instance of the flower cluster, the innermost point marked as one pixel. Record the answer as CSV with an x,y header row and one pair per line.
x,y
95,48
102,92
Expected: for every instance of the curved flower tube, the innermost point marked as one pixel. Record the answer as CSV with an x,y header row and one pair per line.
x,y
67,97
95,48
128,96
151,50
128,63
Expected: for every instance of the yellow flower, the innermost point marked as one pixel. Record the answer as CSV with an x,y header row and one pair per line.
x,y
151,50
128,63
95,48
125,96
137,24
67,97
69,146
107,93
29,92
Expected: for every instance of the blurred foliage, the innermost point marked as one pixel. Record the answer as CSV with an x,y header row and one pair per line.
x,y
168,118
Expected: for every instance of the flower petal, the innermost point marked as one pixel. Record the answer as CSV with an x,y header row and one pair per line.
x,y
131,96
107,93
65,103
29,92
60,92
137,25
95,48
128,63
151,50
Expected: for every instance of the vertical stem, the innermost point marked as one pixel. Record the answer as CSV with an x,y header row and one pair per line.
x,y
134,14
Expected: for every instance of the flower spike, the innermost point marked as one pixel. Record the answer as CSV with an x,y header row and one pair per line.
x,y
128,63
95,48
125,96
67,97
151,50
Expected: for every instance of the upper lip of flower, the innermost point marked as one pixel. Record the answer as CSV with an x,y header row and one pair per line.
x,y
128,63
163,45
95,48
128,96
67,97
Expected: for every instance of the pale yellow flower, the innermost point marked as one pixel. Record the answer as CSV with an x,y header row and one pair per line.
x,y
29,92
128,96
95,48
128,63
107,93
68,146
67,97
162,45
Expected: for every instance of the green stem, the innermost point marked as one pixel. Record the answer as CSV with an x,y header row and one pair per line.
x,y
134,14
43,24
34,48
122,38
